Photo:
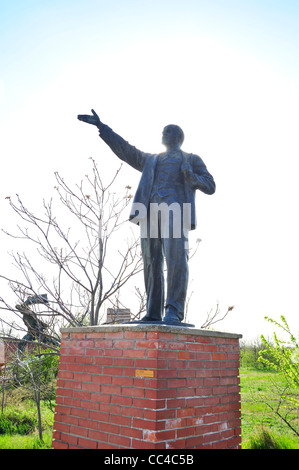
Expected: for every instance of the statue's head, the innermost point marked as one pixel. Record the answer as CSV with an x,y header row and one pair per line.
x,y
172,136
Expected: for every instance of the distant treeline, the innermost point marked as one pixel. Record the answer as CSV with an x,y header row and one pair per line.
x,y
250,353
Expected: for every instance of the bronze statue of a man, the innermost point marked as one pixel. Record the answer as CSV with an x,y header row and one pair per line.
x,y
164,207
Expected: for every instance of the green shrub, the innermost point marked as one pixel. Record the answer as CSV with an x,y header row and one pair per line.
x,y
283,355
18,395
36,366
250,353
17,421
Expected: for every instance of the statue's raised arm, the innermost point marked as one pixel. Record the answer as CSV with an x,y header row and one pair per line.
x,y
121,148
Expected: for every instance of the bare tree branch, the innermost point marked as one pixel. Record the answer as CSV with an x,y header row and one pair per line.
x,y
214,317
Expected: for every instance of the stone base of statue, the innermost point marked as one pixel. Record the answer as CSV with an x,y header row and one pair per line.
x,y
147,386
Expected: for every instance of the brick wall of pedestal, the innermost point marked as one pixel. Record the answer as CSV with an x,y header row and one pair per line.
x,y
148,387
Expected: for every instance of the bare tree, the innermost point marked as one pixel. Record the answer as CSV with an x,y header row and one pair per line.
x,y
74,242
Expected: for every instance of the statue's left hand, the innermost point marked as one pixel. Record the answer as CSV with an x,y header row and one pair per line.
x,y
94,120
186,168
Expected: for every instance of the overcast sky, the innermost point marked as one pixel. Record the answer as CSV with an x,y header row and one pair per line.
x,y
226,71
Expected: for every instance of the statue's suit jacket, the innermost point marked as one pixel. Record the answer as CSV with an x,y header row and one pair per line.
x,y
146,163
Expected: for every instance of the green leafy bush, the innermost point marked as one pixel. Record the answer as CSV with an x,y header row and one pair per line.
x,y
283,355
17,421
35,365
249,354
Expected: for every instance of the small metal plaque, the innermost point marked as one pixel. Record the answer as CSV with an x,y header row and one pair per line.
x,y
144,373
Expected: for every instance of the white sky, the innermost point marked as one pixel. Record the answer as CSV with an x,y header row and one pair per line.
x,y
226,71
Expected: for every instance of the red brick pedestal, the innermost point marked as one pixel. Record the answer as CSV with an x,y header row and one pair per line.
x,y
148,387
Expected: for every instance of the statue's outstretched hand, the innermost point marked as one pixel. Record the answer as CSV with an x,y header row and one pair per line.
x,y
95,120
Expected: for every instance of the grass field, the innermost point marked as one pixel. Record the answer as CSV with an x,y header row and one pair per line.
x,y
18,427
31,441
257,419
257,388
